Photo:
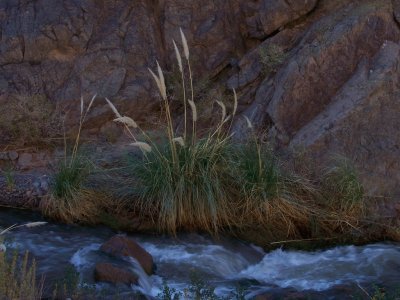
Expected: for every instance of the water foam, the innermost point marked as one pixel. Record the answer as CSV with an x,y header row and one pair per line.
x,y
322,270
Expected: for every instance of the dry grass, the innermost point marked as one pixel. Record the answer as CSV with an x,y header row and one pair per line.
x,y
18,275
71,199
29,121
196,180
18,278
207,182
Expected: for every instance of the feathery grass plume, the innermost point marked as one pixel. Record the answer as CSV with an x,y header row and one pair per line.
x,y
194,119
249,124
34,224
163,88
115,111
184,44
81,105
157,80
179,59
91,102
194,110
223,107
187,56
143,146
178,56
180,141
235,103
126,121
81,122
29,225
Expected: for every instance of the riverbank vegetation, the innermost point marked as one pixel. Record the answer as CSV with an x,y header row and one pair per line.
x,y
206,179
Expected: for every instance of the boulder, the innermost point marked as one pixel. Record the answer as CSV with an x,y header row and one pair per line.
x,y
122,246
106,272
362,123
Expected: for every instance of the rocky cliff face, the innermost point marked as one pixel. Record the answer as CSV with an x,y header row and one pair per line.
x,y
321,75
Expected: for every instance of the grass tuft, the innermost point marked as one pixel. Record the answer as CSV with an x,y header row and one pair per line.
x,y
18,278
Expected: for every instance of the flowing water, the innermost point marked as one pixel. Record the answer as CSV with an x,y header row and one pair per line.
x,y
223,263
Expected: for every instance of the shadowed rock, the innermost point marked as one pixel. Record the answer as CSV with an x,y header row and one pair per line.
x,y
122,246
362,123
105,272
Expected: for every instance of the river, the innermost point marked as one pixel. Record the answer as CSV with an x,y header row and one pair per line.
x,y
224,263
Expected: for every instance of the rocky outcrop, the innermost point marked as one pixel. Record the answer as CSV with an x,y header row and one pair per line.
x,y
63,49
361,123
121,246
326,58
291,62
329,55
106,272
271,15
335,92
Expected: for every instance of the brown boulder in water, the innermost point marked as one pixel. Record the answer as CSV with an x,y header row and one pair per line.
x,y
120,245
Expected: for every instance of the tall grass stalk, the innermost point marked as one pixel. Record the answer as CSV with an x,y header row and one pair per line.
x,y
67,186
189,183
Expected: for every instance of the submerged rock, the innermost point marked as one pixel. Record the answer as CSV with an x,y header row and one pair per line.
x,y
122,246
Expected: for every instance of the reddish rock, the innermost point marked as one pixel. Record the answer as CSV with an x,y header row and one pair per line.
x,y
123,246
362,124
266,16
326,61
105,272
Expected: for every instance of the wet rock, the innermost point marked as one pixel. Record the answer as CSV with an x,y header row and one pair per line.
x,y
122,246
106,272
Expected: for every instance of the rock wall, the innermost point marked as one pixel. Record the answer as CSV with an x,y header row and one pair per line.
x,y
318,74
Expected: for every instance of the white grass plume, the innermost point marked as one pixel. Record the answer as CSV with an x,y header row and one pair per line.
x,y
143,146
156,79
249,124
126,121
179,140
29,225
117,114
91,102
185,44
194,110
160,81
223,107
81,105
235,103
178,57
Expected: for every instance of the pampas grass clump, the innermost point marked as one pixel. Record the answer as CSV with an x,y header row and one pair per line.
x,y
207,181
